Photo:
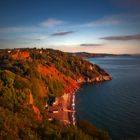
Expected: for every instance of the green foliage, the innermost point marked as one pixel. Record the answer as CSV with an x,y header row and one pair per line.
x,y
93,131
21,83
55,87
19,79
57,131
7,77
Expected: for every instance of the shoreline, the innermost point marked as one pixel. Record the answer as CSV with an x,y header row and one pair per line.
x,y
63,109
68,113
71,115
73,108
71,103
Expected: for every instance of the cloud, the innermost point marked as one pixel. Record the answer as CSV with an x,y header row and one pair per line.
x,y
116,19
48,23
17,29
62,33
107,20
123,38
51,23
89,44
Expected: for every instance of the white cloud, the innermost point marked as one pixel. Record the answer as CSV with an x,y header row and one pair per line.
x,y
51,23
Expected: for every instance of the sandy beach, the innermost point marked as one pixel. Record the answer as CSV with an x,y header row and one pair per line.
x,y
64,109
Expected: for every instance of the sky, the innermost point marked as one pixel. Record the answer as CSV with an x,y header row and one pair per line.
x,y
95,26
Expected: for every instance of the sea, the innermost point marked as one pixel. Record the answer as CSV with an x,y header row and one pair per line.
x,y
113,106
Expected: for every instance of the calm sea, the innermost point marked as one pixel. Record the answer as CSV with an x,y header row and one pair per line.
x,y
113,106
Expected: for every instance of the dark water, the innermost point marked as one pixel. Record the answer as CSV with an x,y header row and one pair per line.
x,y
113,106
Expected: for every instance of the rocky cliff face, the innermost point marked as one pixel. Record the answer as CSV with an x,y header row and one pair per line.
x,y
51,72
20,54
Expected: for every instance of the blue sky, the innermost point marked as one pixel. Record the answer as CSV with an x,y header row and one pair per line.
x,y
99,26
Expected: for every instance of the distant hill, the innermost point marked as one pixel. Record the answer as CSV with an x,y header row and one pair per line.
x,y
93,55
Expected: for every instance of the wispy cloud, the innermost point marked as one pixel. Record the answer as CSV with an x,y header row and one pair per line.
x,y
46,24
116,19
62,33
123,38
51,23
17,29
89,44
107,20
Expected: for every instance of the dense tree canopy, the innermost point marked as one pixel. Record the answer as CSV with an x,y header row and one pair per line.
x,y
27,80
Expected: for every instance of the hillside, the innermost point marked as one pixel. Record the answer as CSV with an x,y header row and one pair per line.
x,y
32,79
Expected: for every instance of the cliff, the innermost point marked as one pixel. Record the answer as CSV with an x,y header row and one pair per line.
x,y
31,77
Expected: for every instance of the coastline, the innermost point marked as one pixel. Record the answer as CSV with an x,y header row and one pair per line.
x,y
71,103
71,115
68,112
65,106
63,109
69,108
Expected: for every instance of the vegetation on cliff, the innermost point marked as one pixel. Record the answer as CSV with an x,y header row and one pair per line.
x,y
28,77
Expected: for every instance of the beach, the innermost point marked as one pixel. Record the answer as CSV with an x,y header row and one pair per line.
x,y
63,109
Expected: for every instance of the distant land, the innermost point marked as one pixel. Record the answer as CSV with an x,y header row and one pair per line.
x,y
93,55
